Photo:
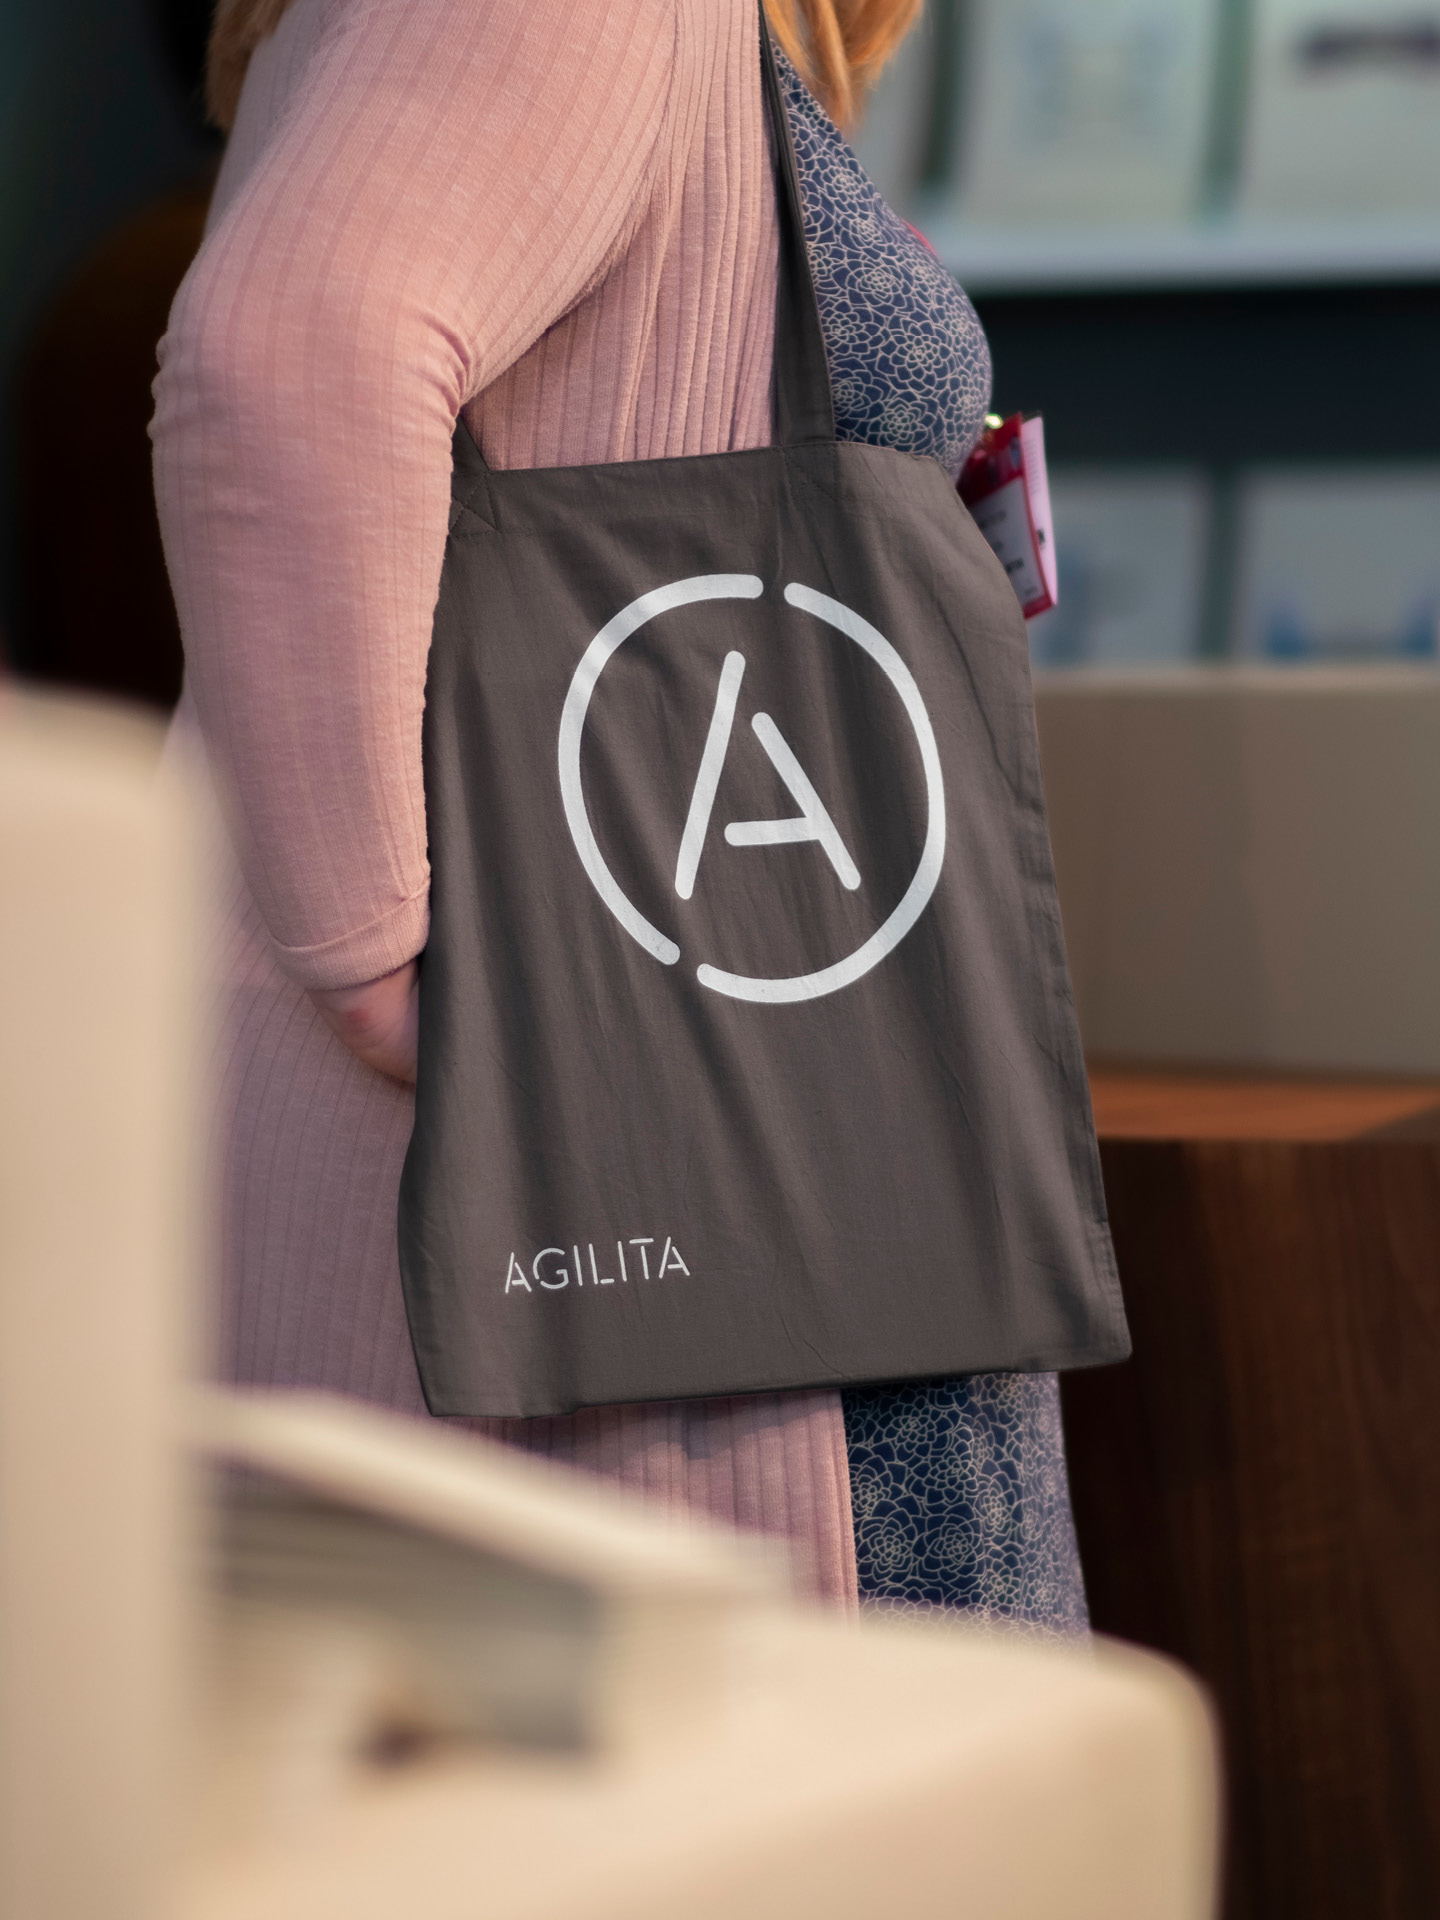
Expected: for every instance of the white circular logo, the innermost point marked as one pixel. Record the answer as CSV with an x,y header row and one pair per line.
x,y
813,821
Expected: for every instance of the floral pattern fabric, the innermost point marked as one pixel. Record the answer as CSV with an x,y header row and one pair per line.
x,y
909,362
958,1487
960,1498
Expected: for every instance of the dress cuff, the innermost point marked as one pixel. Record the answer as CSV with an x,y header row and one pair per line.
x,y
353,958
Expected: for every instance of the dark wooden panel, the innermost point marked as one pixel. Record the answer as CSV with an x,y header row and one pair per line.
x,y
1258,1492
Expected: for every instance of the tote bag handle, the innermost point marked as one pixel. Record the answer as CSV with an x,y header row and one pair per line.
x,y
802,409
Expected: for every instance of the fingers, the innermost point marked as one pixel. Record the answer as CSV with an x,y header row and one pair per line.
x,y
379,1022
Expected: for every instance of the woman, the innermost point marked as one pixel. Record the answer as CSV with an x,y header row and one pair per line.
x,y
559,220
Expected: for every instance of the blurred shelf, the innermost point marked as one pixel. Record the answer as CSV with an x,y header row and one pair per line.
x,y
1397,680
1231,253
1149,1103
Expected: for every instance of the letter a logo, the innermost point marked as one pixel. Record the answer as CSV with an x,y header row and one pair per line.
x,y
812,822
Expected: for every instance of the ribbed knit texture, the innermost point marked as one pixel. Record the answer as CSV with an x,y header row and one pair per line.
x,y
558,218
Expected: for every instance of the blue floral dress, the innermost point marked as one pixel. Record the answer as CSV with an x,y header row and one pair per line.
x,y
958,1486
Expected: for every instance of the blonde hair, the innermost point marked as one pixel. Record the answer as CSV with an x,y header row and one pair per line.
x,y
838,45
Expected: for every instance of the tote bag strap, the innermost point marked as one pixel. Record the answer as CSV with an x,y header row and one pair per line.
x,y
800,392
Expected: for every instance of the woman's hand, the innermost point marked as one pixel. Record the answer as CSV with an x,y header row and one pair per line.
x,y
379,1021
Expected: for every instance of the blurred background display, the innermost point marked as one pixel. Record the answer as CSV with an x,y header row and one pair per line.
x,y
1223,116
1344,109
1132,553
1338,565
1203,235
1085,109
1334,565
1204,238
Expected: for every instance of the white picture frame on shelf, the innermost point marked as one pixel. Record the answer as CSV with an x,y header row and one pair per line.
x,y
1339,565
1085,111
1343,114
1132,546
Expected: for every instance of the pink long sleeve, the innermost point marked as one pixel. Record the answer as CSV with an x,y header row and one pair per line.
x,y
558,214
446,181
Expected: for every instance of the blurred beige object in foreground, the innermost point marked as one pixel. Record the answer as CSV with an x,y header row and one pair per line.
x,y
1249,863
418,1591
438,1678
740,1755
97,962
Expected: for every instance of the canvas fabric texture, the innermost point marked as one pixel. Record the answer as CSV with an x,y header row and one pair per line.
x,y
748,1056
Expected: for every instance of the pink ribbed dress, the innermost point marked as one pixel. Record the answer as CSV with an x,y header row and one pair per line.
x,y
556,216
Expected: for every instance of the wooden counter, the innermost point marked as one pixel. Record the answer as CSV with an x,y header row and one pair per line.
x,y
1258,1490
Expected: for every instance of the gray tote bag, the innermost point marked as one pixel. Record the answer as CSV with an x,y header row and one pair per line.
x,y
748,1058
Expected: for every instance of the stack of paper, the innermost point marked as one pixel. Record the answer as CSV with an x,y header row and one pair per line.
x,y
385,1587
